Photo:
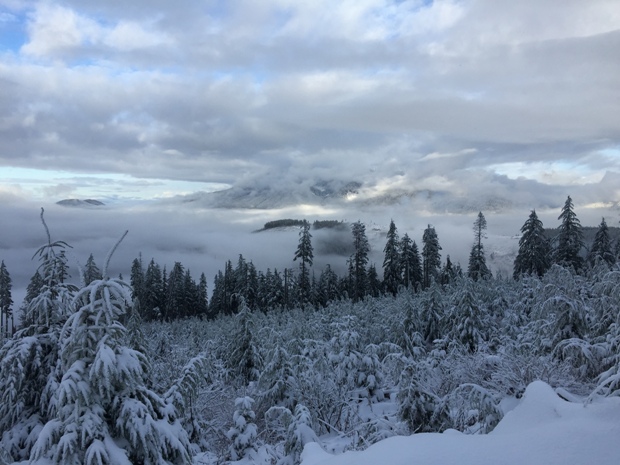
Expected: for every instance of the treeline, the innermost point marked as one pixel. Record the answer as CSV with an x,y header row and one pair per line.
x,y
175,294
288,222
167,296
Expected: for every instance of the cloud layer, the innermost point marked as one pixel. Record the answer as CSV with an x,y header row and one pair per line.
x,y
233,91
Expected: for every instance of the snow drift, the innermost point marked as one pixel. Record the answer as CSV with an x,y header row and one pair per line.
x,y
543,429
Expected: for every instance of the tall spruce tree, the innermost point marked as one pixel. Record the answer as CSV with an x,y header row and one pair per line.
x,y
431,258
91,271
6,302
534,256
359,261
137,278
410,263
570,238
601,247
477,261
304,254
391,262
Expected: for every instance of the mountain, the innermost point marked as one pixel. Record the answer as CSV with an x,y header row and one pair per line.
x,y
269,197
88,203
350,194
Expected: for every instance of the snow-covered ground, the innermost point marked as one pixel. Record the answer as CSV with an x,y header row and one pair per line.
x,y
542,429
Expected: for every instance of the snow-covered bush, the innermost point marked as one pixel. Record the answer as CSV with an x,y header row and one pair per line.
x,y
243,432
300,433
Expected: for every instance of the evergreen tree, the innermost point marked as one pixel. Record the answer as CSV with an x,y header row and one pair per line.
x,y
374,285
137,278
466,318
299,434
534,256
392,263
243,355
203,302
243,432
251,292
153,300
448,272
570,238
327,287
601,247
359,261
410,263
29,362
305,255
34,287
91,271
6,302
430,256
175,295
477,261
103,413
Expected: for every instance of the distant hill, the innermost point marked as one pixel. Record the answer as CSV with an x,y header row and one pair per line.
x,y
80,203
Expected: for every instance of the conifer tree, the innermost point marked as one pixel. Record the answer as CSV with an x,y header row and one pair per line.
x,y
29,362
299,434
203,302
305,255
410,263
601,247
175,295
374,285
102,411
137,278
153,300
243,432
244,358
328,286
392,262
430,256
359,261
91,271
6,302
570,238
534,256
477,261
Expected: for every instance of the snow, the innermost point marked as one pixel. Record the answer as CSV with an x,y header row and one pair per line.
x,y
542,429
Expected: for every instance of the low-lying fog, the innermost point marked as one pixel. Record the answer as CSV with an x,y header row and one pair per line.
x,y
203,239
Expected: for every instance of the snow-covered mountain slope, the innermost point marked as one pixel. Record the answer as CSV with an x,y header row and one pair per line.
x,y
542,430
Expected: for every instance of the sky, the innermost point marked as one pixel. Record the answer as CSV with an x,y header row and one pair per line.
x,y
217,93
132,103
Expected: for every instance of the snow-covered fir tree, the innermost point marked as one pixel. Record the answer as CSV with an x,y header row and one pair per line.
x,y
243,433
6,303
359,261
534,256
29,362
102,412
391,261
305,255
431,257
602,247
570,238
477,268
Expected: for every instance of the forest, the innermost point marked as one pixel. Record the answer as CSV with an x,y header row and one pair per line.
x,y
149,370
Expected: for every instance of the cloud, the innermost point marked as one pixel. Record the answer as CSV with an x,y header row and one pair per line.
x,y
409,94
